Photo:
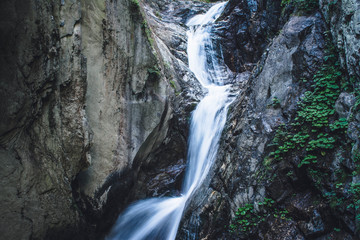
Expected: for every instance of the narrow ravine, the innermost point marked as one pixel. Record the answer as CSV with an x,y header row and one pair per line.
x,y
159,218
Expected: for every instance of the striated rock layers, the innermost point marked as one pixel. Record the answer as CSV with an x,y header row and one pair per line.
x,y
45,137
86,103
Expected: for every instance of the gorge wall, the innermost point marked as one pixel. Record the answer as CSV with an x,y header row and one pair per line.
x,y
81,92
96,99
95,112
284,171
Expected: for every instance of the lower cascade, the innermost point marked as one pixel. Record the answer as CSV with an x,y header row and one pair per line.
x,y
159,218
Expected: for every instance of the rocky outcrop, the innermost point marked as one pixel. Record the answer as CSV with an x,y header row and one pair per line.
x,y
253,119
245,29
96,103
268,101
343,18
85,101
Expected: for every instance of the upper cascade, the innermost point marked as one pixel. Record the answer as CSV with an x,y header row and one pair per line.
x,y
204,60
208,17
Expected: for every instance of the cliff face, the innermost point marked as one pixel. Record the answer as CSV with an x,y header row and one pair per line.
x,y
263,185
44,132
96,101
343,18
96,98
81,93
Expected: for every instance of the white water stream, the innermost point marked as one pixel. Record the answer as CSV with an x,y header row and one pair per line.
x,y
159,218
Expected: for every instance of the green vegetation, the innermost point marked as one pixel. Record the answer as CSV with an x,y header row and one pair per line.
x,y
147,30
337,200
316,132
315,129
134,4
154,72
248,219
275,103
307,6
138,16
355,191
134,7
303,6
158,15
173,85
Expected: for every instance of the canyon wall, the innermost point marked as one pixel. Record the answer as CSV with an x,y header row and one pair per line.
x,y
81,91
96,101
262,185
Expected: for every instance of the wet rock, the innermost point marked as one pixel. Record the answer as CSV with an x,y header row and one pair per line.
x,y
170,178
282,230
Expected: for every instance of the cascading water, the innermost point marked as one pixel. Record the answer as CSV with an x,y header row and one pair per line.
x,y
159,218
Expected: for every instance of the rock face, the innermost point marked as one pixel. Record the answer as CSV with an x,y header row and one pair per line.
x,y
96,100
344,20
268,100
44,131
84,101
245,28
253,119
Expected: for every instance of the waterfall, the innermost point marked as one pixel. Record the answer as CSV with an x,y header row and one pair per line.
x,y
159,218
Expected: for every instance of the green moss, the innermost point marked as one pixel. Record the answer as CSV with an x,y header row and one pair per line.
x,y
307,6
147,30
134,7
172,84
154,73
134,4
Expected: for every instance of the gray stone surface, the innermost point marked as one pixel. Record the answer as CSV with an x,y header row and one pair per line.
x,y
78,102
44,133
238,175
344,20
86,106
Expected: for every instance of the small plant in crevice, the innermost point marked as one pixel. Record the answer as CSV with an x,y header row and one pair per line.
x,y
355,191
154,70
248,218
154,73
307,6
173,86
302,6
275,103
147,30
134,5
